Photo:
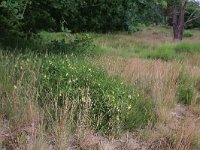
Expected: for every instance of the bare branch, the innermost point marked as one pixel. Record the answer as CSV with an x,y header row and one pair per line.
x,y
192,20
25,6
192,14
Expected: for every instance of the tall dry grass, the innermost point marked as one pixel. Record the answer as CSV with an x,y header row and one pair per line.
x,y
24,124
149,37
30,127
158,80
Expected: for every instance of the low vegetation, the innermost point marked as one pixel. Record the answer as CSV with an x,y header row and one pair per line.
x,y
99,75
99,82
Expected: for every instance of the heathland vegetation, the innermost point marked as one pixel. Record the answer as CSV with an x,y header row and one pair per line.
x,y
99,74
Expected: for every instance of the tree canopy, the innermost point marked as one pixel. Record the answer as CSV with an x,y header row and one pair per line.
x,y
31,16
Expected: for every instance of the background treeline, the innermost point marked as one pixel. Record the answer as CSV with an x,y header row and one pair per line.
x,y
22,16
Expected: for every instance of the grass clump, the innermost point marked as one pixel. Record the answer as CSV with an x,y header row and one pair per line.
x,y
184,47
164,52
185,94
188,33
170,51
185,90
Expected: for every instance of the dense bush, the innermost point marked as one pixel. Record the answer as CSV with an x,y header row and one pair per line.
x,y
79,44
136,27
114,106
104,16
76,44
99,15
22,44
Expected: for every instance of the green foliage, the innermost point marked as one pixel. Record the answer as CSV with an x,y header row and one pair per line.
x,y
169,51
30,16
52,36
23,44
136,27
79,44
57,81
187,47
187,88
114,105
188,33
164,52
106,16
16,7
185,91
22,18
193,7
197,87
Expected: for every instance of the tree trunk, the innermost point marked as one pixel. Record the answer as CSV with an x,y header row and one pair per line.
x,y
178,23
181,22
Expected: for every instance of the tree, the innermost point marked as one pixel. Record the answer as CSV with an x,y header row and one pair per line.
x,y
179,21
181,10
178,16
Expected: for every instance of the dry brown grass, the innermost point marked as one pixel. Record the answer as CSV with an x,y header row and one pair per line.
x,y
158,81
143,38
25,125
154,78
186,135
146,38
193,60
182,137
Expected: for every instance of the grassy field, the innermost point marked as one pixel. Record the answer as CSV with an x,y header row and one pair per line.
x,y
102,91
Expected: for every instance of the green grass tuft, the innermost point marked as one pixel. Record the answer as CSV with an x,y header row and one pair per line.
x,y
183,47
188,33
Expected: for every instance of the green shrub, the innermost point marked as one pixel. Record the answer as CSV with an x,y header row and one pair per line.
x,y
21,43
118,106
77,44
188,34
51,36
80,44
135,28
